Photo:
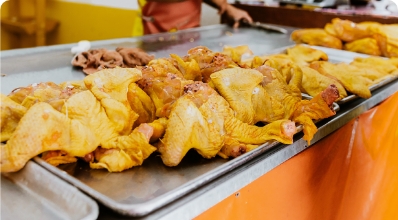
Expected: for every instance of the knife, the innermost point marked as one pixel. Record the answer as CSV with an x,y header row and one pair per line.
x,y
265,26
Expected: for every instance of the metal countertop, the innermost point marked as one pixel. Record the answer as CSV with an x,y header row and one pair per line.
x,y
34,64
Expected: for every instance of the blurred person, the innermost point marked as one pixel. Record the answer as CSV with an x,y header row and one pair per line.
x,y
173,15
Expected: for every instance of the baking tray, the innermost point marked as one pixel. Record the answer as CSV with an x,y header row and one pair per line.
x,y
143,189
339,56
35,193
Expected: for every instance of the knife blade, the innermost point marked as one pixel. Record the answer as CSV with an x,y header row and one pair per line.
x,y
266,27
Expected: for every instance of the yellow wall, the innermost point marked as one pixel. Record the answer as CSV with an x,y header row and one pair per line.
x,y
76,22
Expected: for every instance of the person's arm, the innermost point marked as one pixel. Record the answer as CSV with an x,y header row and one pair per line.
x,y
232,12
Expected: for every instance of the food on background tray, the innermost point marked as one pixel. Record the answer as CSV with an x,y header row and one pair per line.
x,y
346,30
95,60
365,37
115,118
318,73
316,36
365,45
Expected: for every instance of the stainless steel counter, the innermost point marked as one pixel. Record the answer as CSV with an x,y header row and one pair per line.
x,y
34,64
53,64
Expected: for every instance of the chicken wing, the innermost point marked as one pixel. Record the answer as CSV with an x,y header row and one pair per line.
x,y
128,151
317,108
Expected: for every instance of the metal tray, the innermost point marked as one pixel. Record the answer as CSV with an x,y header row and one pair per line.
x,y
35,193
141,190
339,56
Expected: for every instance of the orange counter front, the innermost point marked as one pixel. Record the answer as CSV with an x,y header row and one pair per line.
x,y
350,174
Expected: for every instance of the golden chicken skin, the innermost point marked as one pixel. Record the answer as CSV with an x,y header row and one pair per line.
x,y
346,30
56,132
11,113
317,37
365,45
303,55
356,84
203,120
314,83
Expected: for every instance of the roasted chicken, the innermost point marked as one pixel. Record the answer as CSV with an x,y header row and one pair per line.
x,y
346,30
316,36
365,37
303,55
202,120
365,45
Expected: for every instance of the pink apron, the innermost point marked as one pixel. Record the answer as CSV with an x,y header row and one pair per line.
x,y
172,16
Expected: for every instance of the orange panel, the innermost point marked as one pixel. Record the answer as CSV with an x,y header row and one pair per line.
x,y
350,174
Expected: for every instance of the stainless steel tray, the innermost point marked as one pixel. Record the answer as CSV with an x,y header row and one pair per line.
x,y
339,56
141,190
35,193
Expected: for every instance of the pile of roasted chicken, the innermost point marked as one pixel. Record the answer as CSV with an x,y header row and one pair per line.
x,y
365,37
208,101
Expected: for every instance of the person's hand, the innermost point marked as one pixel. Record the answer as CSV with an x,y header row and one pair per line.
x,y
221,5
237,15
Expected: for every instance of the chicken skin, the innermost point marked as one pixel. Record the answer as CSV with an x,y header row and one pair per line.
x,y
202,120
314,83
346,30
317,37
56,132
365,45
303,55
11,113
353,83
